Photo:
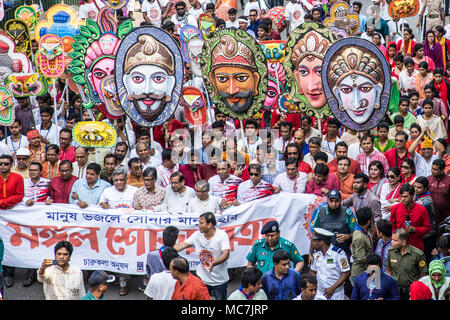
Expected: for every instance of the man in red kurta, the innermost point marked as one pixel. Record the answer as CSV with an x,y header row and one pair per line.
x,y
11,184
188,286
411,216
440,190
192,171
61,186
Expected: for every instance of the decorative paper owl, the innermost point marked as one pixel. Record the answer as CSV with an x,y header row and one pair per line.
x,y
19,32
206,24
194,106
6,107
29,16
51,56
94,134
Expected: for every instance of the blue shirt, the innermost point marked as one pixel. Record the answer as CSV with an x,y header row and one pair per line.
x,y
285,289
388,291
90,196
254,26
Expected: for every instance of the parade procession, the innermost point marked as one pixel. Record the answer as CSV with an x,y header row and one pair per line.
x,y
224,150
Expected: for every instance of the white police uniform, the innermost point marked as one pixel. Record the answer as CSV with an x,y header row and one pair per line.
x,y
329,268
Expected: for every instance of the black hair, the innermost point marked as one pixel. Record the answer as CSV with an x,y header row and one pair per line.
x,y
341,144
362,176
411,164
321,156
373,260
440,163
170,236
383,124
35,163
379,165
7,156
406,187
64,244
53,147
66,162
438,70
180,264
307,278
423,181
250,276
279,256
168,255
384,227
321,169
209,218
94,166
344,158
363,215
133,160
150,171
218,124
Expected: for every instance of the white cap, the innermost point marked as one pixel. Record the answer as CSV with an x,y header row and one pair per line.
x,y
23,152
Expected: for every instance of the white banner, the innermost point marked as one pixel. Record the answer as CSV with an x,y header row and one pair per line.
x,y
118,241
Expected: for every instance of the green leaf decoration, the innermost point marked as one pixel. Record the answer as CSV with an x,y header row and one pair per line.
x,y
76,55
124,29
85,32
78,78
94,28
81,40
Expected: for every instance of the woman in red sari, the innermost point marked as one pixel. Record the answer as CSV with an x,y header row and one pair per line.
x,y
406,45
391,51
408,170
376,177
390,192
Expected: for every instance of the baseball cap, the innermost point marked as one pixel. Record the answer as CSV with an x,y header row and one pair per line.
x,y
334,194
98,277
23,152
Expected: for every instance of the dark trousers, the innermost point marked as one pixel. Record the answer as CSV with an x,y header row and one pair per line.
x,y
11,271
220,291
404,293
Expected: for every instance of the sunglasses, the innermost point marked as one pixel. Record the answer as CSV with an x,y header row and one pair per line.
x,y
406,167
254,174
392,177
5,164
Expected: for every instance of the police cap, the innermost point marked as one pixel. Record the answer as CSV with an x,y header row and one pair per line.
x,y
270,226
322,234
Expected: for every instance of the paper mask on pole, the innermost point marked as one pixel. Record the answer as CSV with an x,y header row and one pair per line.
x,y
206,24
94,134
235,72
357,83
115,4
274,50
108,94
19,32
194,106
403,8
275,86
94,54
29,16
51,56
26,84
341,18
149,75
195,47
7,115
188,33
305,50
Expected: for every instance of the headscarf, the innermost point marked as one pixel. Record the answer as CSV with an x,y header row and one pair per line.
x,y
420,291
437,266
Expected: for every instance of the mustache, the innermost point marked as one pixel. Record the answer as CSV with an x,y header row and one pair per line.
x,y
243,94
153,96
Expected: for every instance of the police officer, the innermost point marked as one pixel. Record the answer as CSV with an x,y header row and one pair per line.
x,y
405,263
330,266
263,249
337,219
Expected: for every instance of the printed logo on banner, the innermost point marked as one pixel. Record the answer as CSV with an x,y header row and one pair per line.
x,y
140,266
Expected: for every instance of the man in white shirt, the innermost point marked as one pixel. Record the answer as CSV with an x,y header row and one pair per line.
x,y
407,77
177,195
284,139
48,130
224,185
395,32
295,12
212,246
232,21
203,202
330,140
315,146
162,284
424,161
80,166
292,180
16,140
306,125
143,152
251,140
255,187
152,11
120,195
196,9
182,18
257,5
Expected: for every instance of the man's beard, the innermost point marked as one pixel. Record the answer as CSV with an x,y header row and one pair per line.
x,y
149,114
236,107
334,211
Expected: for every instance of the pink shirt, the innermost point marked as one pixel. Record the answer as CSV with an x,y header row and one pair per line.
x,y
364,161
69,154
332,183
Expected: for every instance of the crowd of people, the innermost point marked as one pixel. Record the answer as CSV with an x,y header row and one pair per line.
x,y
383,233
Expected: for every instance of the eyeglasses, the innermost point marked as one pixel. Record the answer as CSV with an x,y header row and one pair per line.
x,y
406,167
252,15
5,164
391,177
254,174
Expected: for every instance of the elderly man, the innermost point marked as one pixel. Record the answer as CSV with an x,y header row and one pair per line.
x,y
36,147
192,171
203,202
144,154
61,186
120,195
80,166
177,196
255,187
135,177
224,185
150,195
36,187
23,161
87,190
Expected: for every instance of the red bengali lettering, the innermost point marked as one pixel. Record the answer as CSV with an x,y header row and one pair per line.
x,y
250,228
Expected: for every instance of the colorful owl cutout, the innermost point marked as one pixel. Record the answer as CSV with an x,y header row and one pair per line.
x,y
26,84
19,32
108,94
207,24
94,134
7,115
341,18
194,106
51,56
274,50
28,15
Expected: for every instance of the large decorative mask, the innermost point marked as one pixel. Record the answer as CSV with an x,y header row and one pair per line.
x,y
403,8
357,83
278,17
18,31
195,47
26,84
275,85
10,60
62,20
305,50
341,18
108,94
274,50
7,115
28,15
115,4
94,54
94,134
235,72
149,75
51,56
194,106
187,33
206,24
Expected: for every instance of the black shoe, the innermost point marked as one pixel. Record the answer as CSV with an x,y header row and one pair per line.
x,y
9,282
142,288
28,282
